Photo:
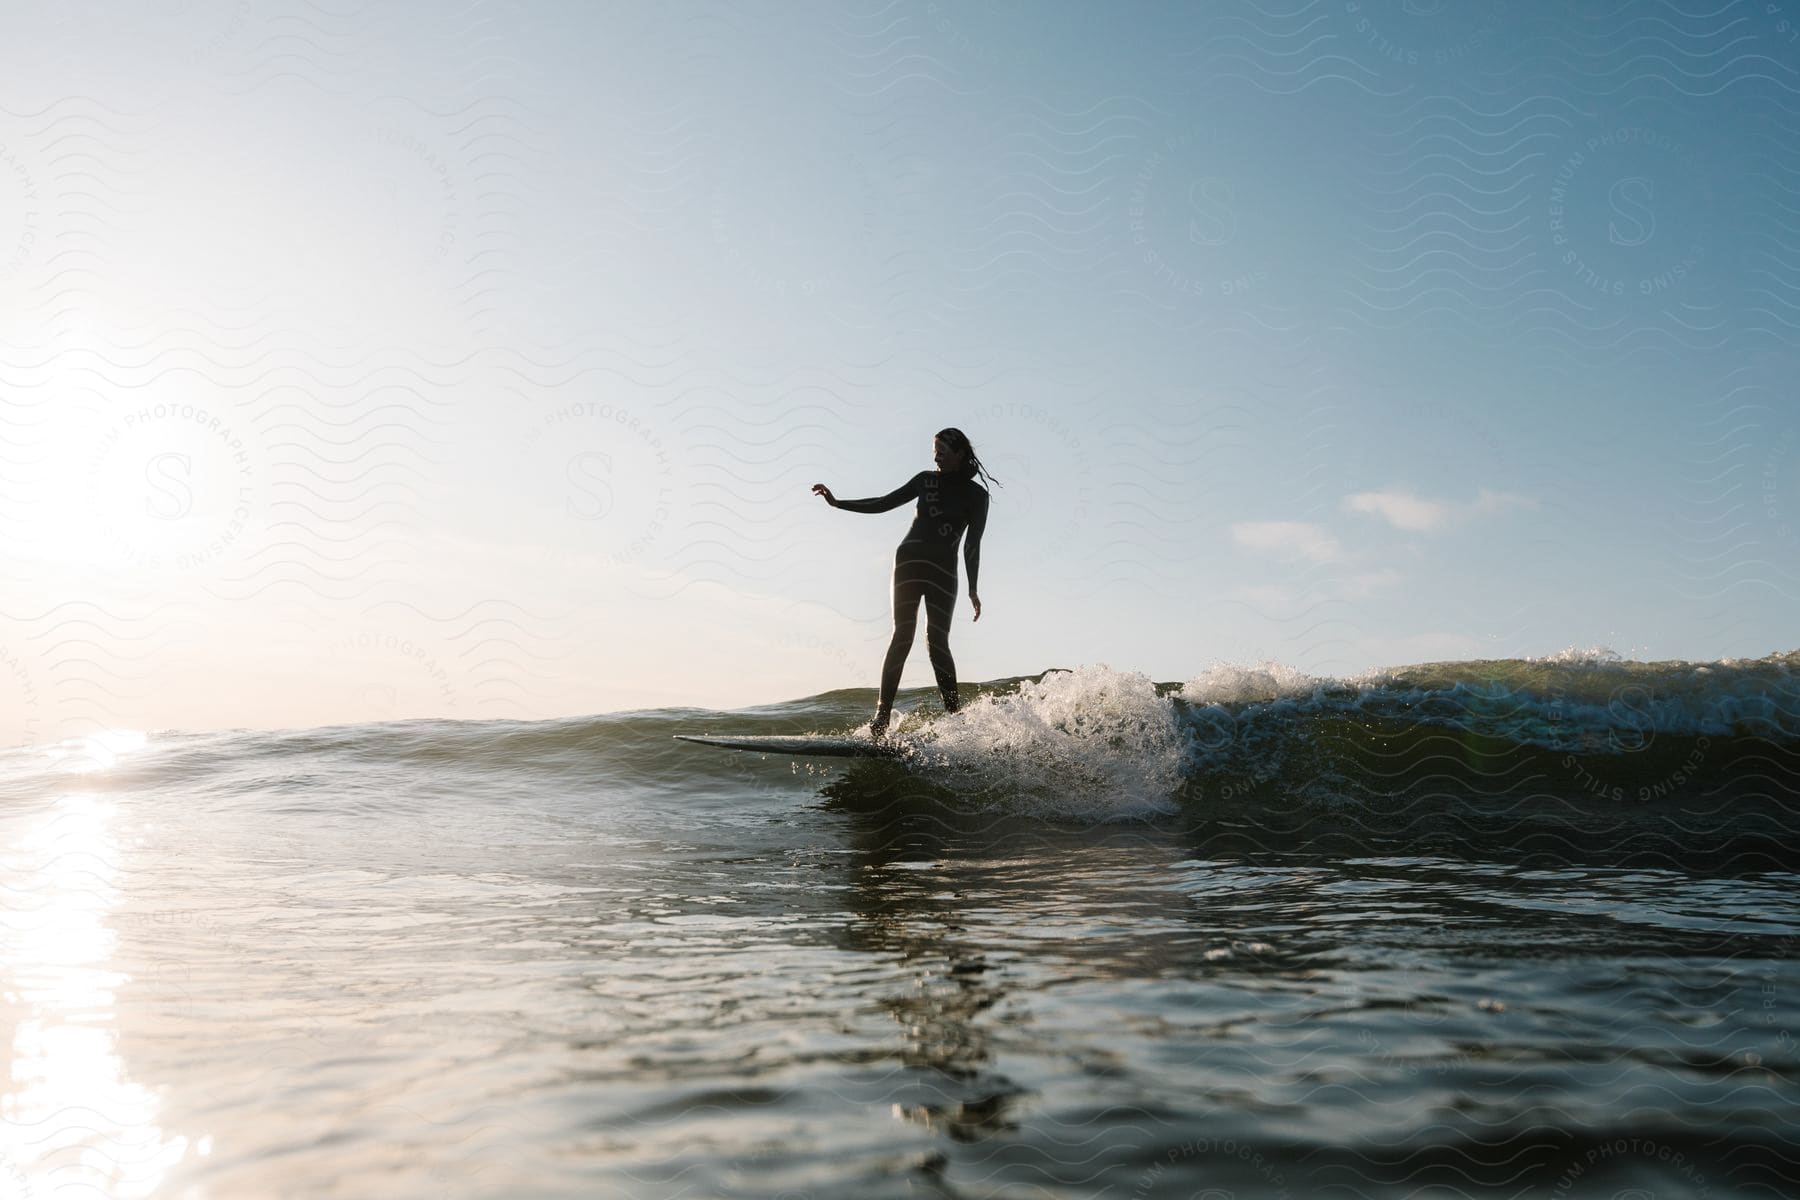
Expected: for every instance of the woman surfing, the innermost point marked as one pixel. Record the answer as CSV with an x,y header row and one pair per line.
x,y
950,501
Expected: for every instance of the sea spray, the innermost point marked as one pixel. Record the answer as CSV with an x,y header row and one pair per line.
x,y
1227,683
1093,743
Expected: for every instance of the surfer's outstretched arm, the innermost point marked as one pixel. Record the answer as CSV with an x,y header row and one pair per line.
x,y
877,504
972,548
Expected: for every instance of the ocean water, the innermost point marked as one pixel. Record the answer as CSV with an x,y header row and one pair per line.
x,y
1514,928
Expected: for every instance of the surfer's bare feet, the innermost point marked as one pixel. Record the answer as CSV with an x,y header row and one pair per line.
x,y
878,726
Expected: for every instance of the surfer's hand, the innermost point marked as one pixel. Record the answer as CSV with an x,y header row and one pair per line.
x,y
976,601
820,489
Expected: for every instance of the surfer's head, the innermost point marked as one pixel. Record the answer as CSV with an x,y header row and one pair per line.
x,y
950,450
956,457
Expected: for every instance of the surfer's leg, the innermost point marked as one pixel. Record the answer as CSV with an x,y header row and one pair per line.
x,y
940,604
907,591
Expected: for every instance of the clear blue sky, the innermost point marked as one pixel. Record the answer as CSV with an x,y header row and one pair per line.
x,y
412,360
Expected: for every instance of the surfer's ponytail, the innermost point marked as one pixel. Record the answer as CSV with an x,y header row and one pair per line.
x,y
956,439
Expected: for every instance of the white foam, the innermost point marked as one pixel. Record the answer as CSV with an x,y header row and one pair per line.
x,y
1094,743
1227,683
1575,656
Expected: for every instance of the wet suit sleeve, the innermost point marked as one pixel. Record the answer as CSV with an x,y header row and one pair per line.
x,y
972,546
894,499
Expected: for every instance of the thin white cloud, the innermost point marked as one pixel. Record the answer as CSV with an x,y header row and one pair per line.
x,y
1290,538
1421,514
1401,509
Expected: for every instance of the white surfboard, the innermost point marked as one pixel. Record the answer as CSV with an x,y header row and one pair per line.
x,y
807,747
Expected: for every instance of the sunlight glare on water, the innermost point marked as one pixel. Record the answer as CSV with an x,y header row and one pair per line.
x,y
73,1121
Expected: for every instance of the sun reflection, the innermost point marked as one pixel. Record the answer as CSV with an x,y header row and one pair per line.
x,y
95,751
71,1122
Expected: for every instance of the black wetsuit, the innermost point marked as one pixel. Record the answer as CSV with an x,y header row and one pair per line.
x,y
925,568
